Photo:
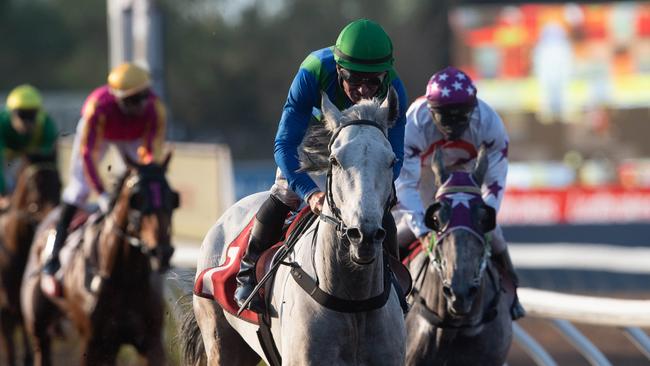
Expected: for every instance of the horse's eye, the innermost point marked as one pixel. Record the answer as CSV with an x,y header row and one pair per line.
x,y
333,161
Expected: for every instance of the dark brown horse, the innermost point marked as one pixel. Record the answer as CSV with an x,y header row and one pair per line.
x,y
112,265
37,192
460,315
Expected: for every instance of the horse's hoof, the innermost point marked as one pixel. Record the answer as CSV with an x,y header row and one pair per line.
x,y
50,286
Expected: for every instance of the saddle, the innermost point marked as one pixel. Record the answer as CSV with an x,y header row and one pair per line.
x,y
219,283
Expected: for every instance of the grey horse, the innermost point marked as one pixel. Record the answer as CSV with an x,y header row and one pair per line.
x,y
341,252
459,314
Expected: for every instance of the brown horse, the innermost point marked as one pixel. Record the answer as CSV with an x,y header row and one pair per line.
x,y
37,192
112,285
460,313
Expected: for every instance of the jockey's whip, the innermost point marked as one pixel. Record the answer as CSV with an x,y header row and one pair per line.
x,y
289,243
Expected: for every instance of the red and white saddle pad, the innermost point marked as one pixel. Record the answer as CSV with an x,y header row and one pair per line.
x,y
219,283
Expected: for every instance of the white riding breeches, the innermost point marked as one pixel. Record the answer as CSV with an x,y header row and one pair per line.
x,y
283,192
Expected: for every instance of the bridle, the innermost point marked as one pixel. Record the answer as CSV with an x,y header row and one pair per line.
x,y
309,285
337,220
435,261
134,218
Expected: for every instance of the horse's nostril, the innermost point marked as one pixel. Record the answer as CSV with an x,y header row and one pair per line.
x,y
446,290
354,234
472,290
380,234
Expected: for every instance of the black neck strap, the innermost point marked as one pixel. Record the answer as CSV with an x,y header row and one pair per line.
x,y
332,302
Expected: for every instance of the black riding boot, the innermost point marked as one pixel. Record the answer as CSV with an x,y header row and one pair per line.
x,y
52,264
265,232
503,260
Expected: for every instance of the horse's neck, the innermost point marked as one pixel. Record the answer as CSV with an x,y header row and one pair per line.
x,y
337,275
111,239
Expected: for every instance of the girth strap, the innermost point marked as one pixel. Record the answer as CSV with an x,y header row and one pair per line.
x,y
336,303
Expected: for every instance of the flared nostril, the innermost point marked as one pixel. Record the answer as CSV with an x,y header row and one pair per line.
x,y
354,234
380,234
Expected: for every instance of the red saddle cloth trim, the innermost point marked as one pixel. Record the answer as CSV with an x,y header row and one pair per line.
x,y
219,283
413,250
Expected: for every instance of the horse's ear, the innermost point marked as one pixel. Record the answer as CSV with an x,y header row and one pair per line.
x,y
168,157
438,167
330,112
130,163
390,108
481,166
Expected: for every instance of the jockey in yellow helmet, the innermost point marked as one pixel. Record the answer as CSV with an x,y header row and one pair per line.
x,y
25,128
124,113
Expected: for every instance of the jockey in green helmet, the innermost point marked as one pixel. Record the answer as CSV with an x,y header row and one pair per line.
x,y
359,66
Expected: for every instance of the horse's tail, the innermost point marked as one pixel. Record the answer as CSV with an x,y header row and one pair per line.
x,y
192,350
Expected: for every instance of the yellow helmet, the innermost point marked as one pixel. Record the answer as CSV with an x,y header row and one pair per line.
x,y
24,97
128,79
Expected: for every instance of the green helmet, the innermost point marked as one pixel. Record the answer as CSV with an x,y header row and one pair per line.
x,y
24,97
364,46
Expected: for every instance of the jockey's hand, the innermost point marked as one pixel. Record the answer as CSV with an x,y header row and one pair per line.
x,y
104,202
425,239
5,201
315,201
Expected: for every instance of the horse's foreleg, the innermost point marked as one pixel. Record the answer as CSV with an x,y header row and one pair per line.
x,y
8,324
42,350
27,347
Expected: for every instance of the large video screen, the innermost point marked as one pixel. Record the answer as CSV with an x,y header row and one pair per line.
x,y
556,59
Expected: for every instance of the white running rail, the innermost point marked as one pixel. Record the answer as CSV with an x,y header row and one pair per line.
x,y
564,309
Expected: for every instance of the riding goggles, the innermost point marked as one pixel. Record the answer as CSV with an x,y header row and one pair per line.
x,y
137,99
452,122
356,79
27,115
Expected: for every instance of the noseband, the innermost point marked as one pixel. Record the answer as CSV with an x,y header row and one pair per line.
x,y
337,220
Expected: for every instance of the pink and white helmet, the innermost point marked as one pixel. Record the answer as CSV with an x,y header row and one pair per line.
x,y
450,87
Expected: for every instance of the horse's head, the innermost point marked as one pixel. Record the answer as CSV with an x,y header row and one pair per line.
x,y
38,188
354,152
460,219
150,201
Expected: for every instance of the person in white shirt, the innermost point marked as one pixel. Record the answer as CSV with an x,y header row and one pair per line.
x,y
450,117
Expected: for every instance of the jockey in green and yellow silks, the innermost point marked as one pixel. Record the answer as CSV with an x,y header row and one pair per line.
x,y
25,128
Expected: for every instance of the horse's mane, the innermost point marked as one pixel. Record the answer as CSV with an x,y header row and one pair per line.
x,y
117,186
313,152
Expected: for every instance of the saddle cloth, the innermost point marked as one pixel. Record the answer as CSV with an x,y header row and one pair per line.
x,y
219,283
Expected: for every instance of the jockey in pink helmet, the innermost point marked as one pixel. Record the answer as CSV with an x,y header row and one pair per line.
x,y
451,117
